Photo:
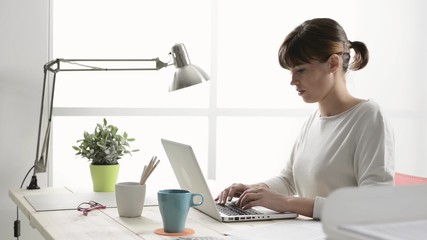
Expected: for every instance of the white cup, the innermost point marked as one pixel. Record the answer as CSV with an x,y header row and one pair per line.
x,y
130,197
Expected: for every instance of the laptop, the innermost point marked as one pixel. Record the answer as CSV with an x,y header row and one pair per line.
x,y
190,177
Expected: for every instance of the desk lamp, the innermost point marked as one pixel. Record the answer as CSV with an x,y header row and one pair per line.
x,y
186,75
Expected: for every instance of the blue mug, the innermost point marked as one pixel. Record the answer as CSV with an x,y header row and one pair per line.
x,y
174,205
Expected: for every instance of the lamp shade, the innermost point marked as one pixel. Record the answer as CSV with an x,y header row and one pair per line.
x,y
186,74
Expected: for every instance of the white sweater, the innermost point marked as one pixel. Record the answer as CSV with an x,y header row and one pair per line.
x,y
354,148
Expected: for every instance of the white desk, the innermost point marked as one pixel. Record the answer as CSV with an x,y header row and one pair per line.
x,y
106,224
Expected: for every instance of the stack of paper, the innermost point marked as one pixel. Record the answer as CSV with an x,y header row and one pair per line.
x,y
408,230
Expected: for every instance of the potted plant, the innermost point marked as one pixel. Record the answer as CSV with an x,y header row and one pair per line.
x,y
104,147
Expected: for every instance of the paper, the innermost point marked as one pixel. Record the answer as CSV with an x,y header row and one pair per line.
x,y
408,230
286,229
70,201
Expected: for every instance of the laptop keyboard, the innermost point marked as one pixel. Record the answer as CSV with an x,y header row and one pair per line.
x,y
231,209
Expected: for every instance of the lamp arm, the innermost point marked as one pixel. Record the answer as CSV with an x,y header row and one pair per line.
x,y
61,64
33,183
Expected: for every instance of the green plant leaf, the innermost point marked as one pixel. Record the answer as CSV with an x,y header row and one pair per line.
x,y
105,145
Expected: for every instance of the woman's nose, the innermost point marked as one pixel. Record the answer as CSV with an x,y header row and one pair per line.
x,y
293,80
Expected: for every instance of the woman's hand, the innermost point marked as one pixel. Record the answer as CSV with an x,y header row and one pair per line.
x,y
235,190
262,196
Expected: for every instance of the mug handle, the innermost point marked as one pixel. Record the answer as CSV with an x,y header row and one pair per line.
x,y
193,195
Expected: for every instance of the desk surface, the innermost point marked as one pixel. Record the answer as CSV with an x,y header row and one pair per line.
x,y
106,224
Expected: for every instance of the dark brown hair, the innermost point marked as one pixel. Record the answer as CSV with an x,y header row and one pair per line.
x,y
317,39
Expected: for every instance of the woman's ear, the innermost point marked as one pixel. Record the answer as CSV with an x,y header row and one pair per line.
x,y
334,62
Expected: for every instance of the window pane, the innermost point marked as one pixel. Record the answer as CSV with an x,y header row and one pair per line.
x,y
106,29
252,149
249,44
411,136
71,171
248,63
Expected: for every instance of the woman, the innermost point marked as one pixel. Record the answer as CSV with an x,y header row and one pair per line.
x,y
345,142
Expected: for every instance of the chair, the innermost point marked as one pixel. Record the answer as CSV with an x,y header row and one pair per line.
x,y
401,179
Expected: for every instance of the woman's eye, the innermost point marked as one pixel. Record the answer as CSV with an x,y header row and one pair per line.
x,y
300,70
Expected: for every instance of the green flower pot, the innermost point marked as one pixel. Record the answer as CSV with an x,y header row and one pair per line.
x,y
104,177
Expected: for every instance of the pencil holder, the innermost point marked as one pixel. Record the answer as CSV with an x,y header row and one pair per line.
x,y
130,198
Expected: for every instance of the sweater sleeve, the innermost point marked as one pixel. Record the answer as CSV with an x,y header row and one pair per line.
x,y
374,154
318,206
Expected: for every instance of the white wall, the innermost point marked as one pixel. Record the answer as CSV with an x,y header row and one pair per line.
x,y
23,51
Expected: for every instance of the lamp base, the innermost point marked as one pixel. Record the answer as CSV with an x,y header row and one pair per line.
x,y
33,184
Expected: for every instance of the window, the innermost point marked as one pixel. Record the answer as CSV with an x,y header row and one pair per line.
x,y
247,115
138,102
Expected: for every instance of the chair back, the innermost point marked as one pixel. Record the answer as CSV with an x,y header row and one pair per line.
x,y
401,179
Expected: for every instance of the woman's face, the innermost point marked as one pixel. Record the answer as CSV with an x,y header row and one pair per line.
x,y
313,81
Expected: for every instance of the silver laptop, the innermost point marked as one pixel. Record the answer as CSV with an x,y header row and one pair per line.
x,y
190,177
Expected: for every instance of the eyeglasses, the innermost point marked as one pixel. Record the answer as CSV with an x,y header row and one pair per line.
x,y
86,207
